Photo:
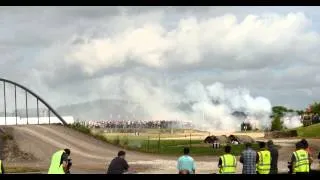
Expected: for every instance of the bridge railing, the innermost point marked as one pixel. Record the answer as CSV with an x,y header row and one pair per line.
x,y
27,117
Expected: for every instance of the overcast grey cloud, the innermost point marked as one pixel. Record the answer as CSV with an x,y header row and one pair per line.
x,y
76,54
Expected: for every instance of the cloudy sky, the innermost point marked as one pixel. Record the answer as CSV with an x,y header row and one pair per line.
x,y
75,54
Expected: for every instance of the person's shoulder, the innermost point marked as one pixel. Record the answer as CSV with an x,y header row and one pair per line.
x,y
190,158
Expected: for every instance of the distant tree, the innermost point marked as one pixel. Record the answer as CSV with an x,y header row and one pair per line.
x,y
315,107
276,124
279,111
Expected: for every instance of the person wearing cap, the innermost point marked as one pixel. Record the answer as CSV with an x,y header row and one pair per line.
x,y
274,157
300,160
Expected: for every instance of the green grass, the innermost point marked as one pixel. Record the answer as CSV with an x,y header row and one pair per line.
x,y
312,131
165,146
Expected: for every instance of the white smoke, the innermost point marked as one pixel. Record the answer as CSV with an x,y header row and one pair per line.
x,y
162,103
291,120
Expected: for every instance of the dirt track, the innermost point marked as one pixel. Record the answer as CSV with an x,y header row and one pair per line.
x,y
91,156
87,153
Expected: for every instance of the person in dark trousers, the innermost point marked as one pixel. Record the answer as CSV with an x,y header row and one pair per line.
x,y
249,159
118,165
274,157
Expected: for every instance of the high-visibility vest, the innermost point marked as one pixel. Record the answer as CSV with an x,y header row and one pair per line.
x,y
229,164
302,161
55,166
264,163
0,167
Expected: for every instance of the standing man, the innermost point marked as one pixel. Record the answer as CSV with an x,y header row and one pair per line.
x,y
308,149
186,163
248,159
118,165
264,159
300,160
59,162
274,157
227,162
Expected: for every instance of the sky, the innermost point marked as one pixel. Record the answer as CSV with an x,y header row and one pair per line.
x,y
76,54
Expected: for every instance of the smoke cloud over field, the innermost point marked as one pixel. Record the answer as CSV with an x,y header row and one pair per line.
x,y
291,120
208,107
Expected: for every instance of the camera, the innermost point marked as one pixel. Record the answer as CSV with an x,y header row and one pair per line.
x,y
69,166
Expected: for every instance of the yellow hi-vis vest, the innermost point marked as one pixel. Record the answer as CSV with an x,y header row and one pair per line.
x,y
55,166
229,164
264,164
302,161
0,167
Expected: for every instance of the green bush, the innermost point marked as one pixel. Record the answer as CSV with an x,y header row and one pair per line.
x,y
7,137
277,124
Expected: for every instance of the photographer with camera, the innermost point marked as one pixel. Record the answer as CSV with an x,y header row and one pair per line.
x,y
60,162
69,166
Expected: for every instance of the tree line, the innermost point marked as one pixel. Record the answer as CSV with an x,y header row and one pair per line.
x,y
280,111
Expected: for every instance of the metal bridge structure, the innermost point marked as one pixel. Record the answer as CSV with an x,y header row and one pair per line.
x,y
27,92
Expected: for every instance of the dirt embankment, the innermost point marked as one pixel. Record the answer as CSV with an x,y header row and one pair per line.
x,y
10,151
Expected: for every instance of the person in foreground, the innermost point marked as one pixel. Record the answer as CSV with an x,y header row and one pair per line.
x,y
274,157
227,162
119,165
300,160
264,159
59,162
186,163
249,160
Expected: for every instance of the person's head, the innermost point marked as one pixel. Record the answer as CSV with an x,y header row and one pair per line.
x,y
270,143
67,151
121,154
299,145
186,151
227,149
305,143
262,145
248,145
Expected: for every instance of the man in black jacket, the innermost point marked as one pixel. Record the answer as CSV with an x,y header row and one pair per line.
x,y
118,165
274,157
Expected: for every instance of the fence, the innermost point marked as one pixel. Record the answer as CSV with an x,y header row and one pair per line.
x,y
153,144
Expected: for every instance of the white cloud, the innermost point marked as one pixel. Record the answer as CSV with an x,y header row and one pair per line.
x,y
79,54
259,41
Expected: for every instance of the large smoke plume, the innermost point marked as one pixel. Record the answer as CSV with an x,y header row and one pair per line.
x,y
203,111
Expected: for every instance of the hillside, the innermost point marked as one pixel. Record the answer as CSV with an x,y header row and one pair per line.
x,y
312,131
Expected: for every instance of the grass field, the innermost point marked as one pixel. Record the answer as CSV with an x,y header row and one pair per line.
x,y
170,146
149,142
312,131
